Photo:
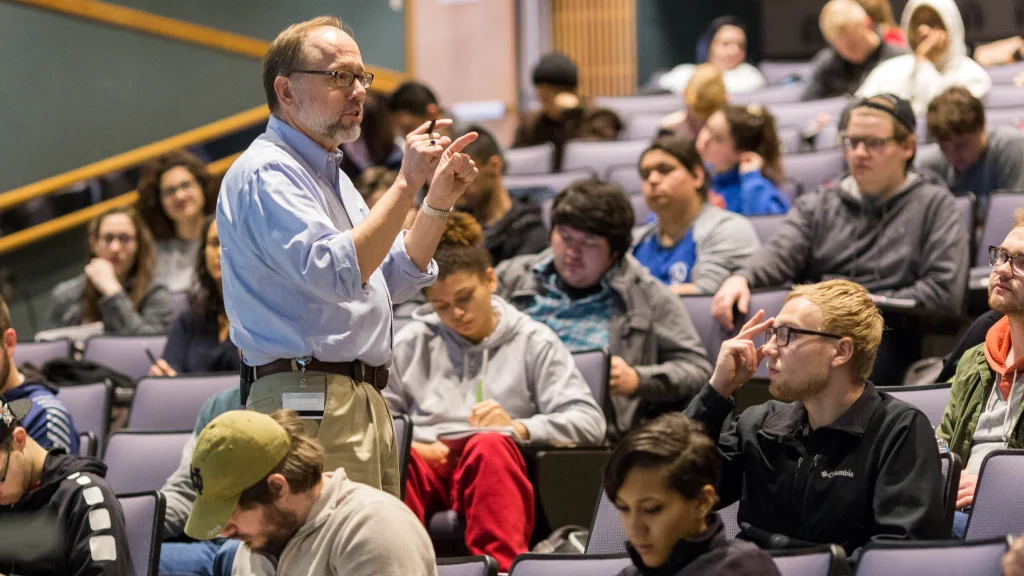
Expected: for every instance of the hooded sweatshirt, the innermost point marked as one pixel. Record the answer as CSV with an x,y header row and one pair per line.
x,y
912,245
522,365
921,81
48,422
354,530
71,523
520,231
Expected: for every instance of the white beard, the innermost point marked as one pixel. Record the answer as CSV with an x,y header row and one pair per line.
x,y
323,124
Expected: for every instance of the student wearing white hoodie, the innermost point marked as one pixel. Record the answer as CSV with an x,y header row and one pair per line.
x,y
474,361
939,59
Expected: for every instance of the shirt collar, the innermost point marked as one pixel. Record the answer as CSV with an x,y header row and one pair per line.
x,y
789,420
327,163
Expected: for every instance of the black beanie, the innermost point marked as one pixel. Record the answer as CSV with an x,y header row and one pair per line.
x,y
556,69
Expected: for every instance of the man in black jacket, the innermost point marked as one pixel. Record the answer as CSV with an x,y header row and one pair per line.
x,y
832,460
58,514
512,227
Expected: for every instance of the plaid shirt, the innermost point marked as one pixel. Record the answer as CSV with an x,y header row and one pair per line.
x,y
581,324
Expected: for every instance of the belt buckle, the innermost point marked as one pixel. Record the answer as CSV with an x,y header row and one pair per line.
x,y
358,371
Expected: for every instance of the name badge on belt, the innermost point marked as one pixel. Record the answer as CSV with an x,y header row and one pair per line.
x,y
308,404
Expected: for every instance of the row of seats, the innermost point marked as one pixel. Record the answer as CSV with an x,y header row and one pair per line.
x,y
896,559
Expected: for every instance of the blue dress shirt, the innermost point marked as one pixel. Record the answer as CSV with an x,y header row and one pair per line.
x,y
292,285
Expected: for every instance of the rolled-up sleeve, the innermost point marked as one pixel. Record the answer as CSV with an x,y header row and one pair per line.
x,y
292,233
404,278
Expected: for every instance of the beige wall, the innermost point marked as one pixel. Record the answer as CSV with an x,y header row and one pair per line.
x,y
465,51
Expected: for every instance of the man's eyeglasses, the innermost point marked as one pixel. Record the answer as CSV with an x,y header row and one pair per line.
x,y
872,144
124,239
782,334
997,257
8,445
342,78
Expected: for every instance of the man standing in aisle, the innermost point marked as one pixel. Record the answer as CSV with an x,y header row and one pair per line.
x,y
310,273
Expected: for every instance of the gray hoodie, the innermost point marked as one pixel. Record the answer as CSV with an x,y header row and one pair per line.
x,y
522,364
910,246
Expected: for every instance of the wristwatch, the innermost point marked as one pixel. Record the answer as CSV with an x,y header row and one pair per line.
x,y
434,212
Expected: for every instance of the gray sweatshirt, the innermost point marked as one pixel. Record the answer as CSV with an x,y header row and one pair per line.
x,y
725,240
910,246
154,315
1000,167
522,365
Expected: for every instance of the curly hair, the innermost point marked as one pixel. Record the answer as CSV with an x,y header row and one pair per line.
x,y
461,247
149,206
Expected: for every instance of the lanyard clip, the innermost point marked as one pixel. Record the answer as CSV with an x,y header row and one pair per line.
x,y
303,362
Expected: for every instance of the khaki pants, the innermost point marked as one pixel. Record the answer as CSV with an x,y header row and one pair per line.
x,y
356,431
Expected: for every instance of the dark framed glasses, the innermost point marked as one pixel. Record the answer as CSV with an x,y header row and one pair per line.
x,y
782,334
342,78
997,257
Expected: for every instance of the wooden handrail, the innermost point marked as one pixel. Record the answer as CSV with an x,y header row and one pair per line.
x,y
23,238
386,80
134,157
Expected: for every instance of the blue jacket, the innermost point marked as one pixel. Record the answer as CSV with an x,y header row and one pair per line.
x,y
750,194
48,422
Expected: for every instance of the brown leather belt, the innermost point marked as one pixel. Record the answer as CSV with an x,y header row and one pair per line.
x,y
377,376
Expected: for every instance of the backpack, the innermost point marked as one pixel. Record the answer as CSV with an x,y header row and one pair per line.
x,y
568,539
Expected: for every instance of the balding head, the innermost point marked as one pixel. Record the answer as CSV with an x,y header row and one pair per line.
x,y
298,46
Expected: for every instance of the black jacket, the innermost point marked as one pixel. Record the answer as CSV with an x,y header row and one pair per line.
x,y
874,472
71,524
520,231
831,75
708,553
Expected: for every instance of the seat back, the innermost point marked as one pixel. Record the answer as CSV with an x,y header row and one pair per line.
x,y
922,558
139,461
1006,73
965,207
641,211
87,445
775,71
403,443
642,126
998,221
1004,117
562,564
629,178
711,333
1003,96
595,366
797,114
627,106
467,566
557,181
537,159
766,226
144,518
172,404
950,465
39,353
89,406
606,533
599,157
817,561
124,354
813,169
179,302
929,398
995,511
770,96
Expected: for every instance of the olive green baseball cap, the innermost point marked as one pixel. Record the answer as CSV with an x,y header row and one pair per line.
x,y
235,451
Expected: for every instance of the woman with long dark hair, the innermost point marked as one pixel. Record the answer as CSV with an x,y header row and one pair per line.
x,y
199,340
118,285
176,193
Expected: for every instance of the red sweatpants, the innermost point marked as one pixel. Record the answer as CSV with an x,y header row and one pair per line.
x,y
488,488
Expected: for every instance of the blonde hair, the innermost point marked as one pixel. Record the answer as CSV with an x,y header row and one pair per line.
x,y
848,311
705,92
1018,218
288,51
880,11
838,14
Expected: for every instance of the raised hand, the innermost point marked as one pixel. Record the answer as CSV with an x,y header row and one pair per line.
x,y
738,358
103,276
422,153
454,173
